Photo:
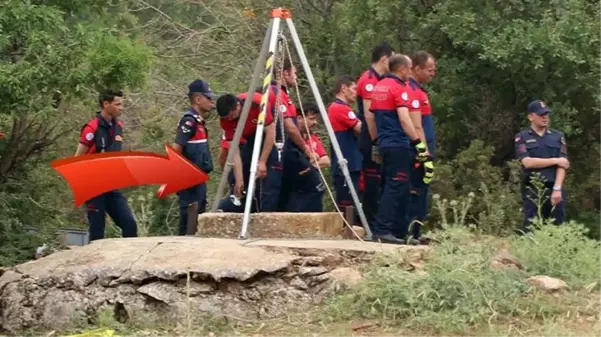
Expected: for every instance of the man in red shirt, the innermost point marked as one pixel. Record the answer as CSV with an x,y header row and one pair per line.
x,y
300,197
424,69
319,153
104,133
370,173
347,128
229,108
391,99
295,154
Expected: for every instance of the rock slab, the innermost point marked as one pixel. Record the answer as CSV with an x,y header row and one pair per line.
x,y
170,278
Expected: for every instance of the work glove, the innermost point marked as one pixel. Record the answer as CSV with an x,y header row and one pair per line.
x,y
428,171
422,152
375,154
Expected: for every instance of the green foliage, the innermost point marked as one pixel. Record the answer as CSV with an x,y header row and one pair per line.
x,y
493,203
459,291
560,251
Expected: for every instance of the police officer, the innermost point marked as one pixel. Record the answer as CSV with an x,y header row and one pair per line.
x,y
391,99
543,154
191,140
104,133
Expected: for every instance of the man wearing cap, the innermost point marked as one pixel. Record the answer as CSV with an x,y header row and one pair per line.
x,y
543,153
191,140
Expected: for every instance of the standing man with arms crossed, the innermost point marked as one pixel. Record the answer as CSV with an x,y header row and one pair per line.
x,y
104,133
390,103
347,128
424,69
542,151
191,140
369,134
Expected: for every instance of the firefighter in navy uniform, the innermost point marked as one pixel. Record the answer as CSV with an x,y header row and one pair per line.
x,y
542,152
191,140
104,133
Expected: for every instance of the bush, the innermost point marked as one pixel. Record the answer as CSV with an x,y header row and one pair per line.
x,y
560,251
494,203
459,290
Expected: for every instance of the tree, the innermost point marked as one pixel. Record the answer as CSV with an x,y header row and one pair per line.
x,y
52,52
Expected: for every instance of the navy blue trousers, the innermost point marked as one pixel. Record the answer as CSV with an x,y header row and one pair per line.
x,y
392,211
197,193
418,204
302,187
115,204
267,191
343,193
370,198
529,202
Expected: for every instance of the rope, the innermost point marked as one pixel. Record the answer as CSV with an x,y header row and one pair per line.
x,y
312,159
279,115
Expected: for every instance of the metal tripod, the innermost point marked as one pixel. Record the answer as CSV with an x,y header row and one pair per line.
x,y
269,50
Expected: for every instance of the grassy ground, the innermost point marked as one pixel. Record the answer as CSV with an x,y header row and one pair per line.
x,y
455,292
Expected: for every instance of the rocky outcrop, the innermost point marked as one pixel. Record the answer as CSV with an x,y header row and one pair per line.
x,y
166,278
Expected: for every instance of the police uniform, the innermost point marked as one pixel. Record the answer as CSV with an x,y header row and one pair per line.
x,y
551,144
101,135
192,135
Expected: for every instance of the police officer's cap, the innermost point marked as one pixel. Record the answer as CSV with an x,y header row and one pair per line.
x,y
200,87
538,107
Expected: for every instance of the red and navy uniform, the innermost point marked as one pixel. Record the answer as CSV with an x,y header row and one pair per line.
x,y
100,135
303,200
418,209
370,180
343,121
300,177
193,136
315,144
394,145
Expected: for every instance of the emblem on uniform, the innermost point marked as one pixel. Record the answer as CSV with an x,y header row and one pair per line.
x,y
415,103
189,123
118,138
283,108
404,96
542,104
185,129
369,87
89,136
351,115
